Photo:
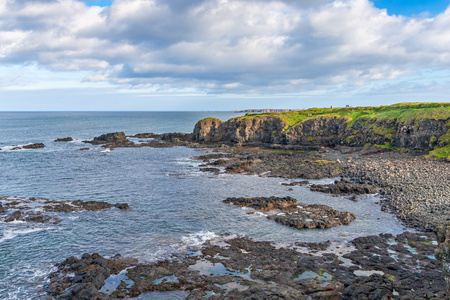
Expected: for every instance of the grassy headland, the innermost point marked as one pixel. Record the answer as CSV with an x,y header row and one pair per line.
x,y
401,113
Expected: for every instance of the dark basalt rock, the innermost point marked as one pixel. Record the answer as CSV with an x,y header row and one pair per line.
x,y
310,216
372,287
295,183
345,187
23,209
443,252
89,274
289,164
263,203
212,170
66,139
34,217
143,135
297,215
115,139
240,268
32,146
110,137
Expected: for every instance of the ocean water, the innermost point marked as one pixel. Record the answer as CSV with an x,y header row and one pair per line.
x,y
173,204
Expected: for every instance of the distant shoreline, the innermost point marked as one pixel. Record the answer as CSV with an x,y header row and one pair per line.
x,y
264,110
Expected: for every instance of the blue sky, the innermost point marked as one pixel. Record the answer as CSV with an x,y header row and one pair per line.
x,y
221,54
413,7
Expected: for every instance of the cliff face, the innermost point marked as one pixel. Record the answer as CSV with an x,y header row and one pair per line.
x,y
420,134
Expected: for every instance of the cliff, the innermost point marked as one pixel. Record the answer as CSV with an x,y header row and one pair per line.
x,y
418,126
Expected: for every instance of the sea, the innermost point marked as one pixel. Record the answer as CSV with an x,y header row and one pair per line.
x,y
174,206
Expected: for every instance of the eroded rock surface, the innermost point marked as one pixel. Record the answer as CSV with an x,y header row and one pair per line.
x,y
345,187
443,252
293,214
374,267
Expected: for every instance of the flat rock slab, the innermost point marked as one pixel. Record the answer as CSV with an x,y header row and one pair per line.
x,y
345,187
263,203
296,183
66,139
294,214
309,216
32,209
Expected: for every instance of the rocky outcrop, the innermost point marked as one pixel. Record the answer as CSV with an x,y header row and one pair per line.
x,y
263,203
208,130
66,139
83,278
112,140
30,146
317,131
33,209
345,187
443,252
375,267
297,215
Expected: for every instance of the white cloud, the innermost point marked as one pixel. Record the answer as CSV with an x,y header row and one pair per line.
x,y
215,46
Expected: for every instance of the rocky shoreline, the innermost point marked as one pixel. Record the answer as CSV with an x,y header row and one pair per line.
x,y
413,187
228,267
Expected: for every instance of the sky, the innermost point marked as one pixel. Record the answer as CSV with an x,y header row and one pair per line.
x,y
211,55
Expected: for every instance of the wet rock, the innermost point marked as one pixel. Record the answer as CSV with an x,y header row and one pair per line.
x,y
111,140
212,170
263,203
443,252
240,268
373,287
295,183
297,215
83,278
17,215
32,146
354,198
143,135
83,149
345,187
66,139
110,137
123,206
310,216
33,209
273,163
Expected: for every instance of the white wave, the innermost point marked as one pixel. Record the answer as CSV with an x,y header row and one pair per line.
x,y
198,238
106,150
9,148
11,233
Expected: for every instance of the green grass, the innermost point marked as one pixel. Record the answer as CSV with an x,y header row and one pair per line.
x,y
442,152
400,113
